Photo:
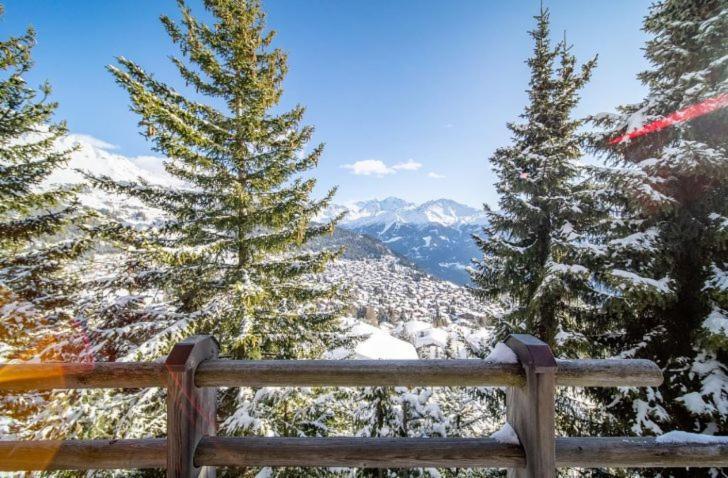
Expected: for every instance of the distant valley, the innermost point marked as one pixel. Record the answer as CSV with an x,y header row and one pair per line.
x,y
435,235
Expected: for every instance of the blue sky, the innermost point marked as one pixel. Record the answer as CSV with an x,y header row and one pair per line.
x,y
414,92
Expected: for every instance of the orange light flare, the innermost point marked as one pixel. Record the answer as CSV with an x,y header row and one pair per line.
x,y
26,372
48,372
680,116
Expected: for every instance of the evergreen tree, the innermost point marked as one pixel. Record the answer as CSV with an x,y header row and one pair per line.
x,y
39,233
227,259
665,248
397,412
539,261
533,261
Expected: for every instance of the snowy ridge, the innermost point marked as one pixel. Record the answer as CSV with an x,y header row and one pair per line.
x,y
97,157
392,210
687,437
435,235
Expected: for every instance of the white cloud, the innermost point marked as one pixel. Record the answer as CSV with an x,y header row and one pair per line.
x,y
410,165
92,141
369,167
375,167
435,175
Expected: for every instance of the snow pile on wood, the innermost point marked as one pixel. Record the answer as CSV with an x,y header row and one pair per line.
x,y
501,353
687,437
506,435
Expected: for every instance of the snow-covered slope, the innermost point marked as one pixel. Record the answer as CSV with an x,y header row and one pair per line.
x,y
97,157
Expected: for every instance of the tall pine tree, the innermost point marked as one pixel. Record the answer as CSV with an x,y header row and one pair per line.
x,y
538,260
532,261
40,236
666,256
227,259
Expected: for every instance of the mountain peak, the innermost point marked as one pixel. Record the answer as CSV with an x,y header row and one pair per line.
x,y
390,203
448,212
393,210
97,157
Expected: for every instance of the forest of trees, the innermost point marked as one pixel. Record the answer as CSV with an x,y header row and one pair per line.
x,y
600,247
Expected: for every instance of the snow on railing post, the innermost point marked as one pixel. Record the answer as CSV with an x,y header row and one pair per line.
x,y
191,410
530,408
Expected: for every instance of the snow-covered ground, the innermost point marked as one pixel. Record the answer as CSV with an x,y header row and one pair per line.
x,y
374,343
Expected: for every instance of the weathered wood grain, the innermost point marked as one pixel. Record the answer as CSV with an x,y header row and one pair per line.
x,y
191,411
617,452
359,452
608,373
624,452
530,408
354,373
82,454
241,373
55,375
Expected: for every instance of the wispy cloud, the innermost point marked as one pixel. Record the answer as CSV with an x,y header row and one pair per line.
x,y
369,167
95,142
410,165
375,167
435,175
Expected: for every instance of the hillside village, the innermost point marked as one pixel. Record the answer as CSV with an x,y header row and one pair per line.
x,y
392,297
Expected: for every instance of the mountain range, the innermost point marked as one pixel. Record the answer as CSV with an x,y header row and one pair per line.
x,y
435,236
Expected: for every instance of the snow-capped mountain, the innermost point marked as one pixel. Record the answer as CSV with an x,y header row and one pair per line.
x,y
392,210
435,235
97,157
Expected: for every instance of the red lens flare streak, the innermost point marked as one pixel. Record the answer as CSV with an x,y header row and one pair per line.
x,y
680,116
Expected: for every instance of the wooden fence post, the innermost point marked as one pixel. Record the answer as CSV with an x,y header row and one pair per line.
x,y
530,409
191,411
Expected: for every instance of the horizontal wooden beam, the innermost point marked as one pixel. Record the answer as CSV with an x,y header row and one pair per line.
x,y
624,452
359,452
82,454
252,373
56,375
608,373
357,373
448,373
621,452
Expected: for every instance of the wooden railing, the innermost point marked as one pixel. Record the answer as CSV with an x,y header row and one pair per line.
x,y
192,372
